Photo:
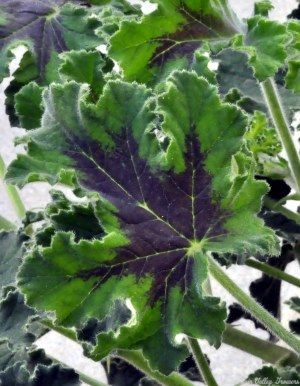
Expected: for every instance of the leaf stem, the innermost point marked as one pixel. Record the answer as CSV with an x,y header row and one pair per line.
x,y
252,306
274,272
267,351
276,110
201,362
12,193
138,361
6,224
276,207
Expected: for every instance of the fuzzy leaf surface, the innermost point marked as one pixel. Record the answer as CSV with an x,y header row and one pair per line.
x,y
170,34
264,43
46,28
11,252
170,188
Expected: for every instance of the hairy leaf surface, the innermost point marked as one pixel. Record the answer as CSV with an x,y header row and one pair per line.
x,y
171,33
46,28
11,252
264,42
171,188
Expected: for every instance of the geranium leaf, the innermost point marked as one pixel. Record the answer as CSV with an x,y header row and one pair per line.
x,y
234,71
14,315
46,28
11,252
143,47
171,188
263,7
292,78
84,67
28,105
264,43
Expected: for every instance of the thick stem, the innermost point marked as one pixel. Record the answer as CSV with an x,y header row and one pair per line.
x,y
201,362
12,193
6,225
276,110
138,361
277,207
252,306
267,351
274,272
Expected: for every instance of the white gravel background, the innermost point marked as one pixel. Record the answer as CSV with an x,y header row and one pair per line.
x,y
230,366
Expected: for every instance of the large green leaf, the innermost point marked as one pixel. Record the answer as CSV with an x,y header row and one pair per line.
x,y
171,33
169,188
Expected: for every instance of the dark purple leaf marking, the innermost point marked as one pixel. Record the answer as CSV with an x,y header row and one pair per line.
x,y
178,209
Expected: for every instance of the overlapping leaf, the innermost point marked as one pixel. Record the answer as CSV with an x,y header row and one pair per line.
x,y
293,75
20,363
11,253
234,72
46,28
265,43
171,33
171,188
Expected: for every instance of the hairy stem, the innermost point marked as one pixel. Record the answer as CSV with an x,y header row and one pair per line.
x,y
6,225
274,272
201,362
267,351
138,361
12,193
276,110
252,306
277,207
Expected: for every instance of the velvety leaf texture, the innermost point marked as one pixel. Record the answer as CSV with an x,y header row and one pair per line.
x,y
46,27
171,33
11,252
170,188
234,71
264,42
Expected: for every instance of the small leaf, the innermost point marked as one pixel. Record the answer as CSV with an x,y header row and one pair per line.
x,y
28,105
263,7
264,43
234,72
261,138
84,67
